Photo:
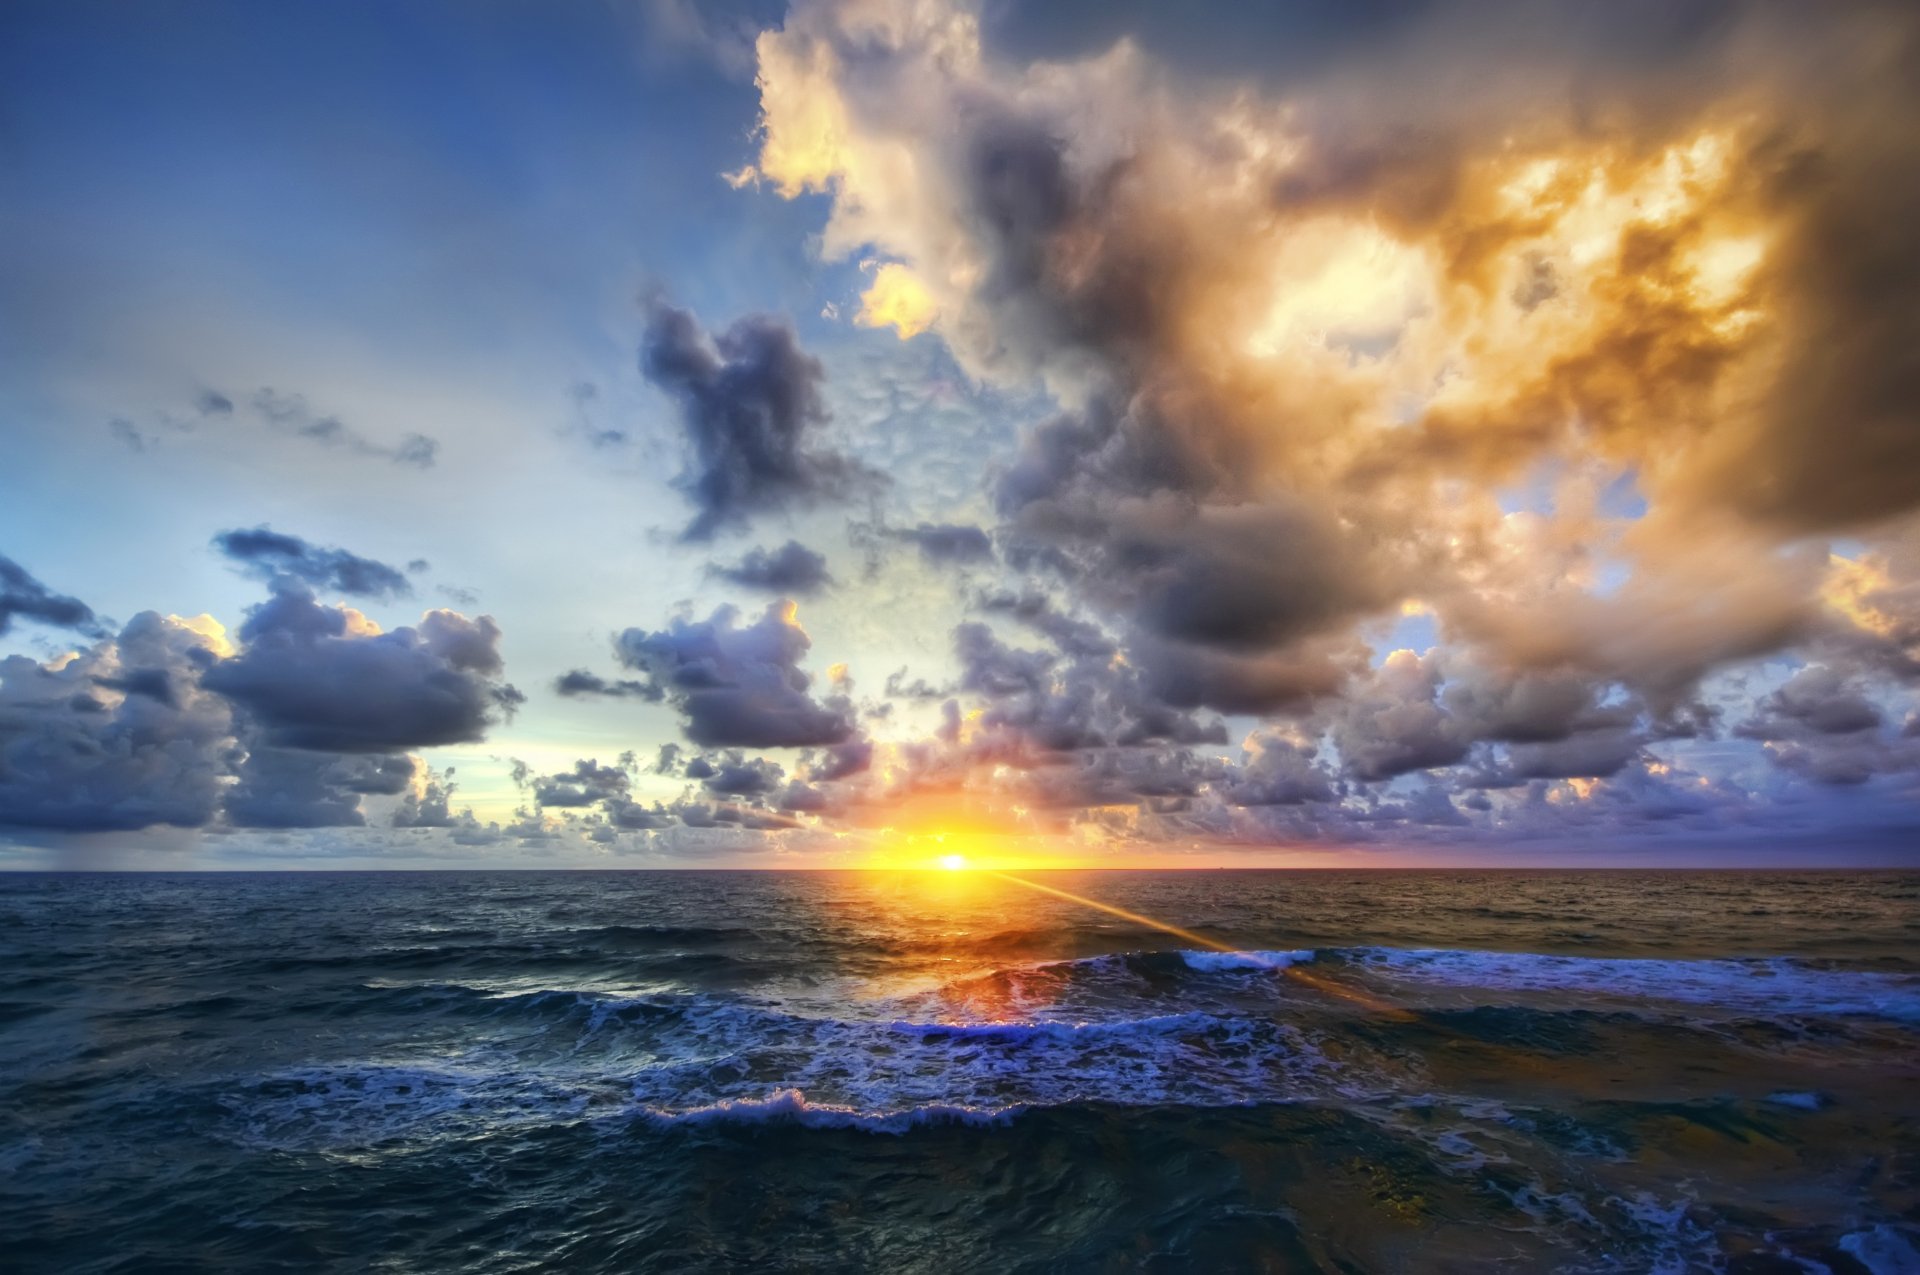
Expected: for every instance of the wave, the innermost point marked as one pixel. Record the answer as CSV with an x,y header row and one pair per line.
x,y
1198,1029
1770,987
790,1106
1056,1030
1762,986
365,1104
701,1058
1883,1250
1216,962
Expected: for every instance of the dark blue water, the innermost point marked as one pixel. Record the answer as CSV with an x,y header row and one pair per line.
x,y
1417,1071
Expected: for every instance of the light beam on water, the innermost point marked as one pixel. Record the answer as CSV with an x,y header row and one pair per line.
x,y
1326,985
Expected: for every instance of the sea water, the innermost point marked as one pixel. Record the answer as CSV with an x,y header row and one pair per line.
x,y
927,1071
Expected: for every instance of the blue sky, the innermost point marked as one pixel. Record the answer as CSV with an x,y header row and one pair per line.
x,y
1213,457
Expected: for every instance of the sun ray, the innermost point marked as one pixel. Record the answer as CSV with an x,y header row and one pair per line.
x,y
1294,972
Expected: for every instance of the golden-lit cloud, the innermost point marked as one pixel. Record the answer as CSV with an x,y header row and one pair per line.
x,y
1315,339
896,300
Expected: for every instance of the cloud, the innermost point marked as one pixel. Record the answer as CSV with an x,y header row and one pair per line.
x,y
428,802
167,723
290,414
581,682
286,414
739,686
1377,322
841,761
1560,347
82,750
23,597
325,678
750,405
944,543
270,553
1822,725
792,570
1278,772
1401,727
734,774
588,783
1246,298
289,788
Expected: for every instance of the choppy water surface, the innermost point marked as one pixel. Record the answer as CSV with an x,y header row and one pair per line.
x,y
952,1072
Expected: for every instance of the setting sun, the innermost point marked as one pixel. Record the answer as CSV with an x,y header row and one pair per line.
x,y
953,862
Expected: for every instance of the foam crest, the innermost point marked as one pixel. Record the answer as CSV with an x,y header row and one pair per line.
x,y
1771,986
790,1106
1217,962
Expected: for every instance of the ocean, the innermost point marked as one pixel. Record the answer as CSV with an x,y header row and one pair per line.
x,y
932,1071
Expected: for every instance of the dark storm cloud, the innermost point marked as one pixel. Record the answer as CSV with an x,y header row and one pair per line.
x,y
270,553
587,784
1822,726
1074,698
750,406
1279,772
792,570
733,774
631,816
949,543
991,668
77,754
580,682
431,805
1041,612
840,762
23,597
154,683
163,725
1231,606
898,687
799,798
311,678
1817,700
739,686
1422,713
1400,726
1188,675
725,815
1599,753
1158,781
289,788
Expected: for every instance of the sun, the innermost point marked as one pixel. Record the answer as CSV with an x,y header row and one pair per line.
x,y
953,862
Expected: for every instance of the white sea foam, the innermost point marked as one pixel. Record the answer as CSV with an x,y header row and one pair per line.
x,y
1763,986
1215,962
1883,1250
1195,1058
1804,1101
1188,1028
791,1106
711,1058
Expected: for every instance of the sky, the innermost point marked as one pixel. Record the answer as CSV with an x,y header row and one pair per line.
x,y
633,433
